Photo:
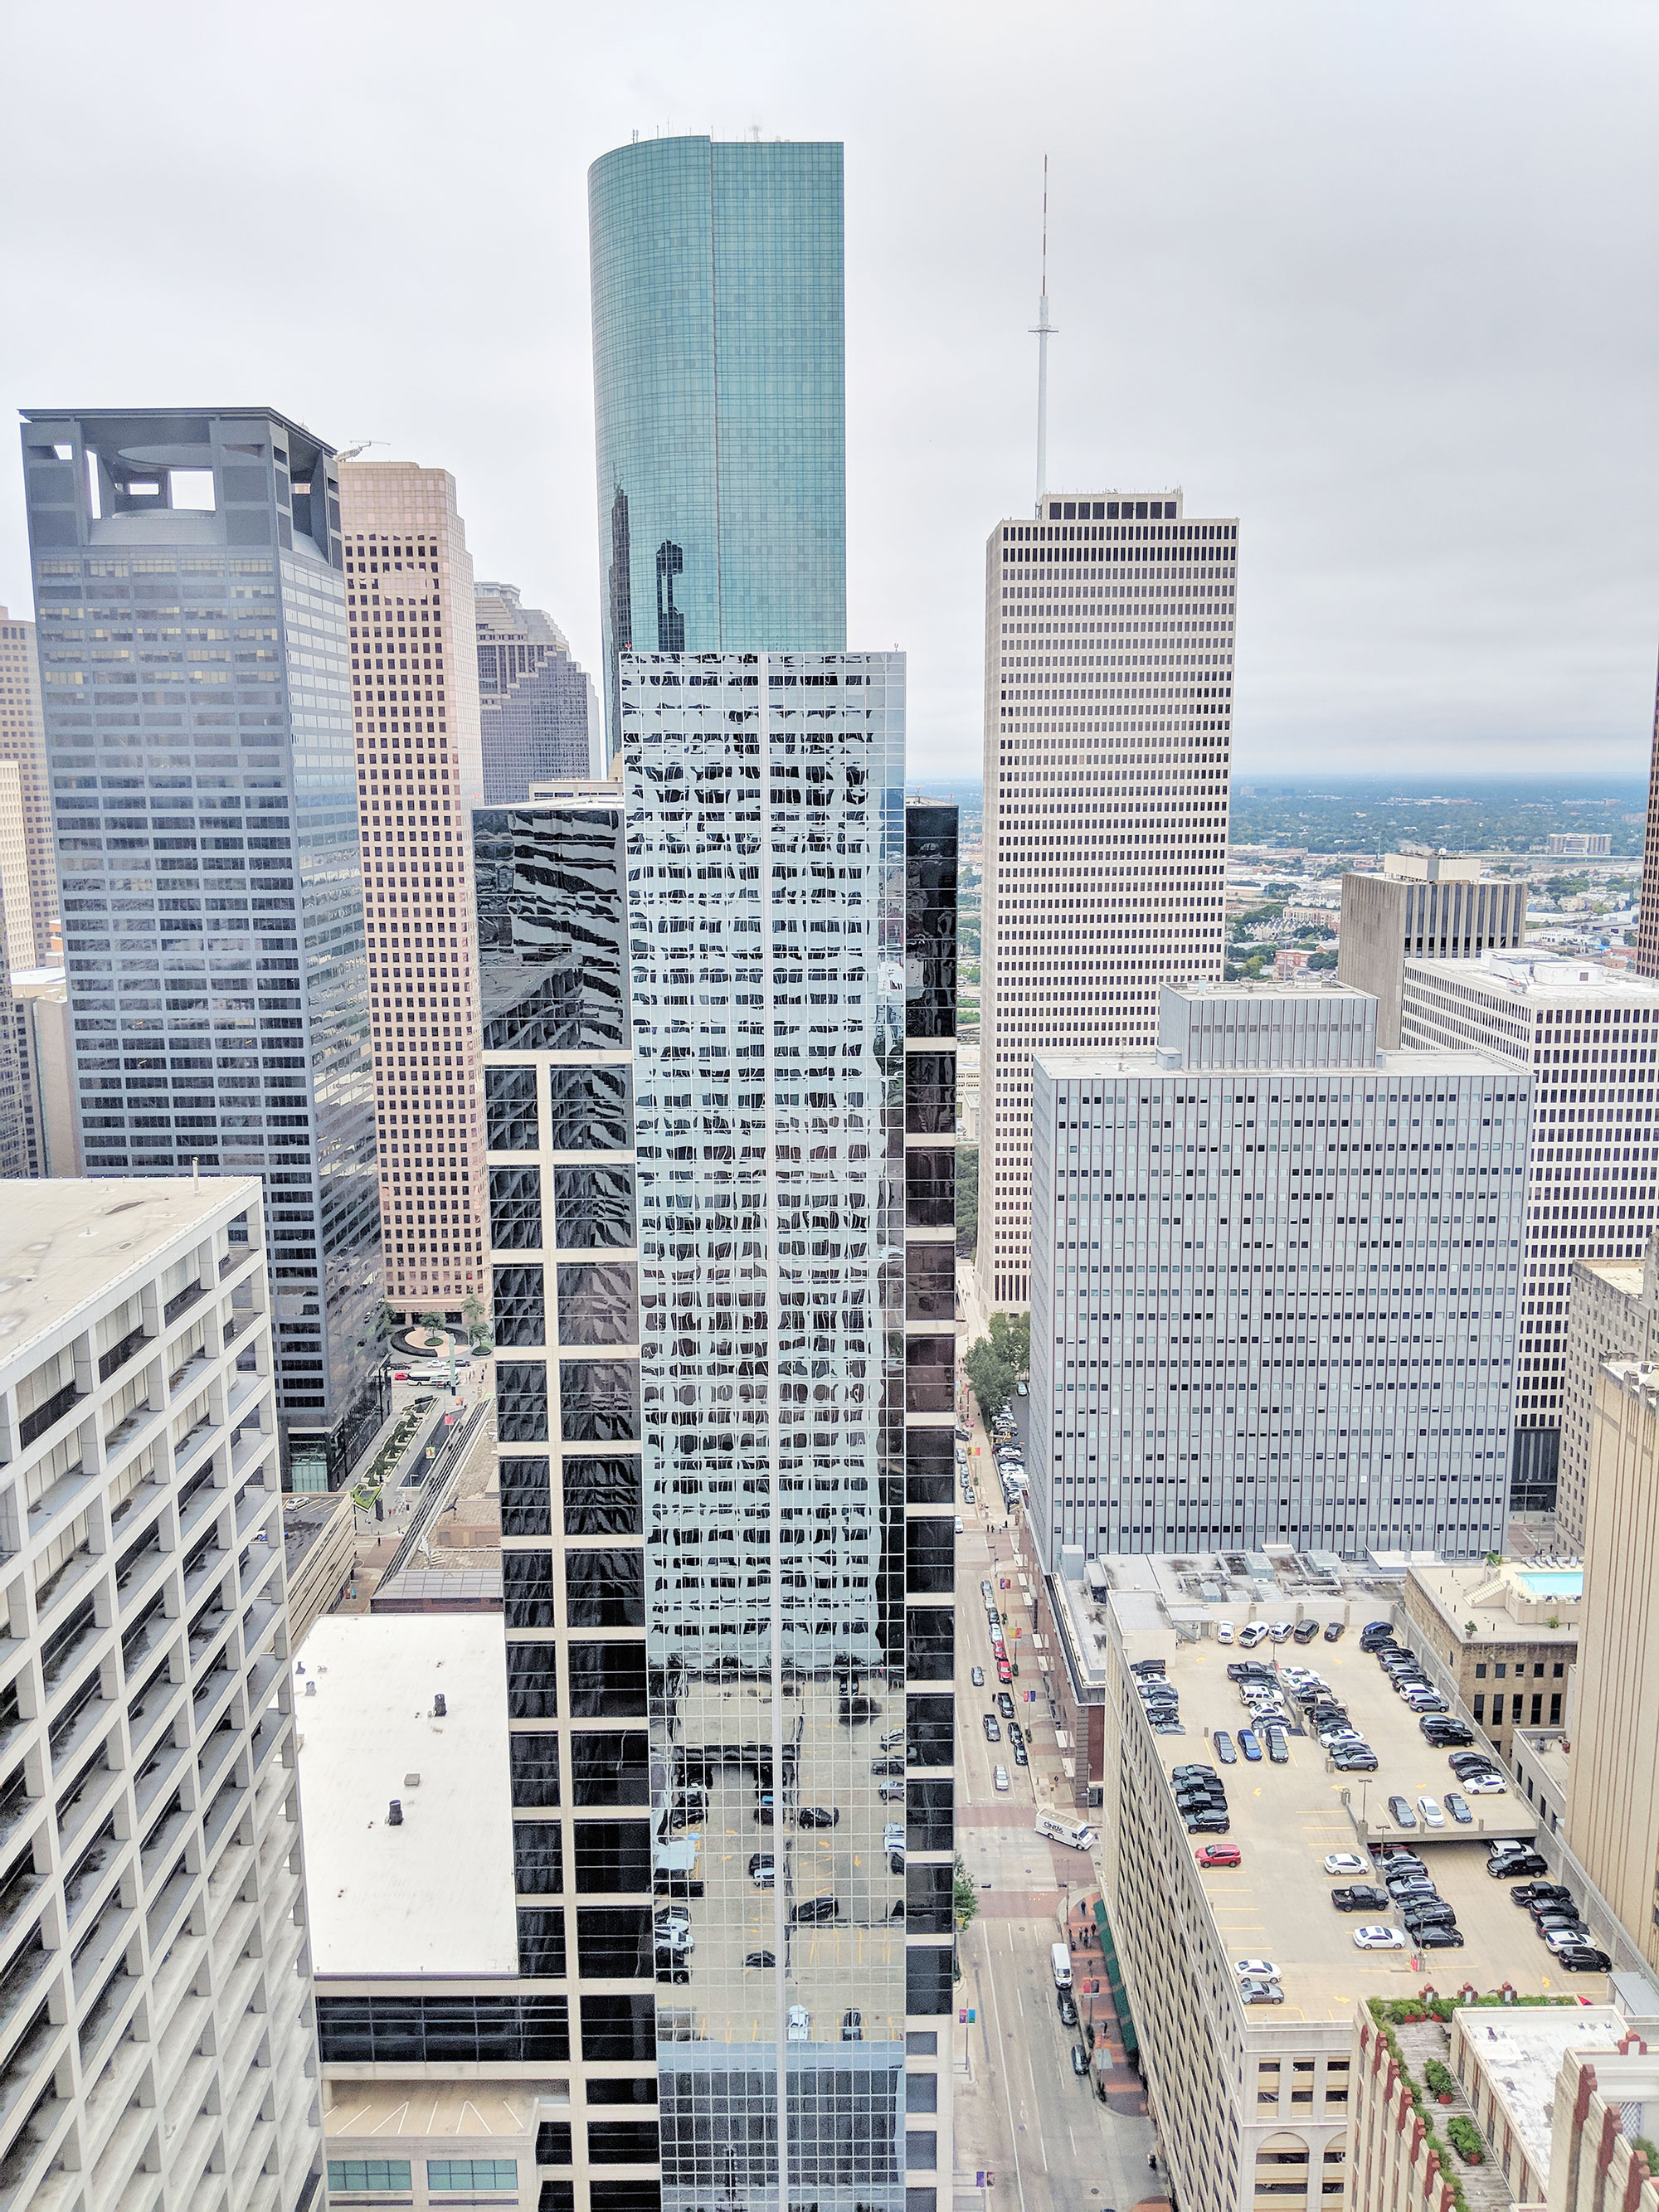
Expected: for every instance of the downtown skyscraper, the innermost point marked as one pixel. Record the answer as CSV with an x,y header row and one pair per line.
x,y
718,1014
537,713
1108,666
720,399
189,580
415,711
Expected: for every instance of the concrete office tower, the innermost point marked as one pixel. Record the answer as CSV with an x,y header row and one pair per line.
x,y
46,1047
1612,1314
22,741
14,888
160,2046
536,702
1274,1285
1613,1792
719,398
415,702
17,1147
1590,1036
189,579
717,1013
1422,907
1109,666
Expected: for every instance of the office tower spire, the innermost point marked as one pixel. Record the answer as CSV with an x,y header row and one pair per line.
x,y
189,579
415,704
1043,331
720,398
1109,659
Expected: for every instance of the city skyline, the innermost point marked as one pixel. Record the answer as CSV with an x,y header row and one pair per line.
x,y
1342,363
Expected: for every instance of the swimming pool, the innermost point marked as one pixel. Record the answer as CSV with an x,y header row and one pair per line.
x,y
1541,1582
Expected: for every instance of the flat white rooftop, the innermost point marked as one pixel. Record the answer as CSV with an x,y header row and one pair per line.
x,y
1522,2048
1539,976
64,1241
436,1895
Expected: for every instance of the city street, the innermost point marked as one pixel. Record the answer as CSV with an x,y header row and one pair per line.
x,y
1021,2113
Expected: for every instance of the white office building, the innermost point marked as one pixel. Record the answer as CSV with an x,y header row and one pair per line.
x,y
1590,1036
157,2043
1109,668
1274,1287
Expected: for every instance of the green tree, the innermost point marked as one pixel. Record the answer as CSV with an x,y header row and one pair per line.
x,y
1010,1340
992,1383
964,1897
478,1332
1322,960
433,1322
967,1201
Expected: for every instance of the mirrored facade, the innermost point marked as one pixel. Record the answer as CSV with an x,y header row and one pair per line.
x,y
717,1595
720,398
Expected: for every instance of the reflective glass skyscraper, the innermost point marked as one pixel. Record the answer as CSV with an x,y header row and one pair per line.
x,y
720,398
190,589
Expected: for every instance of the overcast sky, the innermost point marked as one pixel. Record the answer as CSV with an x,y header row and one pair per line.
x,y
1377,279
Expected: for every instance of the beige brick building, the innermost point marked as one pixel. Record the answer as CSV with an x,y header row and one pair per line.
x,y
1611,1313
27,810
414,706
1509,1635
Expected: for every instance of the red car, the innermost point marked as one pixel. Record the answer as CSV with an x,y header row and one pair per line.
x,y
1005,1672
1219,1855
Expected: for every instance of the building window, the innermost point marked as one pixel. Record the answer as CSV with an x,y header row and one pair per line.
x,y
1478,1708
471,2172
368,2174
1480,1674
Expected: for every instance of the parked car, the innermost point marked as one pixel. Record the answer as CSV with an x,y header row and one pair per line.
x,y
1346,1862
812,1910
1401,1813
1584,1959
1438,1936
1504,1866
852,2025
1305,1631
1542,1892
761,1959
1004,1705
1249,1746
1066,2005
1333,1631
1079,2061
1222,1746
1218,1854
762,1868
1261,1969
819,1816
1258,1992
1256,1633
1224,1631
1433,1815
1354,1761
1021,1756
1278,1749
888,1765
1361,1896
800,2029
1378,1939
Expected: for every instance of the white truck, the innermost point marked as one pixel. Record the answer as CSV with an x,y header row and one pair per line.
x,y
1060,1959
1076,1833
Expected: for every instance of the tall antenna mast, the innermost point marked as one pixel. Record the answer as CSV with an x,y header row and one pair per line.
x,y
1043,330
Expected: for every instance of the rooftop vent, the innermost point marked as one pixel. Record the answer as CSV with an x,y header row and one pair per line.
x,y
394,1818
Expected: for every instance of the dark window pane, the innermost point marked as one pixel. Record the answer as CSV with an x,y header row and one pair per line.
x,y
361,2031
528,1589
929,1728
612,1855
920,2091
599,1304
930,922
553,2145
930,1816
927,1900
930,1643
928,1978
930,1189
603,1497
604,1588
624,2197
621,2142
589,1110
930,1282
533,1762
930,1471
930,1554
635,2092
521,1401
527,1503
561,2196
606,1679
538,1857
541,1941
929,1373
510,1109
930,1094
598,1401
520,1306
915,2200
619,2027
615,1942
921,2150
515,1209
610,1766
594,1206
550,930
532,1688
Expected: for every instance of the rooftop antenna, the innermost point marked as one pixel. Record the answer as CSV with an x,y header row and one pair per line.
x,y
1043,330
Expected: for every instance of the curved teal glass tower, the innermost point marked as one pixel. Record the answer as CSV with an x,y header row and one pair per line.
x,y
720,398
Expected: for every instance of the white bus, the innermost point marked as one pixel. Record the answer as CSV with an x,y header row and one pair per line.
x,y
1076,1833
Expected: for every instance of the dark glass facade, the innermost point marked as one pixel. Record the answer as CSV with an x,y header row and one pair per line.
x,y
533,698
196,675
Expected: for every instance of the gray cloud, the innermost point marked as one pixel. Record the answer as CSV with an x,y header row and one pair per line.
x,y
1380,281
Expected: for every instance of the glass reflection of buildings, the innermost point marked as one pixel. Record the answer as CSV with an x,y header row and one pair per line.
x,y
720,398
720,1068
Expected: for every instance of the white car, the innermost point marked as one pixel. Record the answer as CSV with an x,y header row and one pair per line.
x,y
1000,1777
1378,1939
1250,1637
1261,1970
1484,1785
1224,1631
1332,1737
1433,1815
801,2025
1346,1862
1280,1630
